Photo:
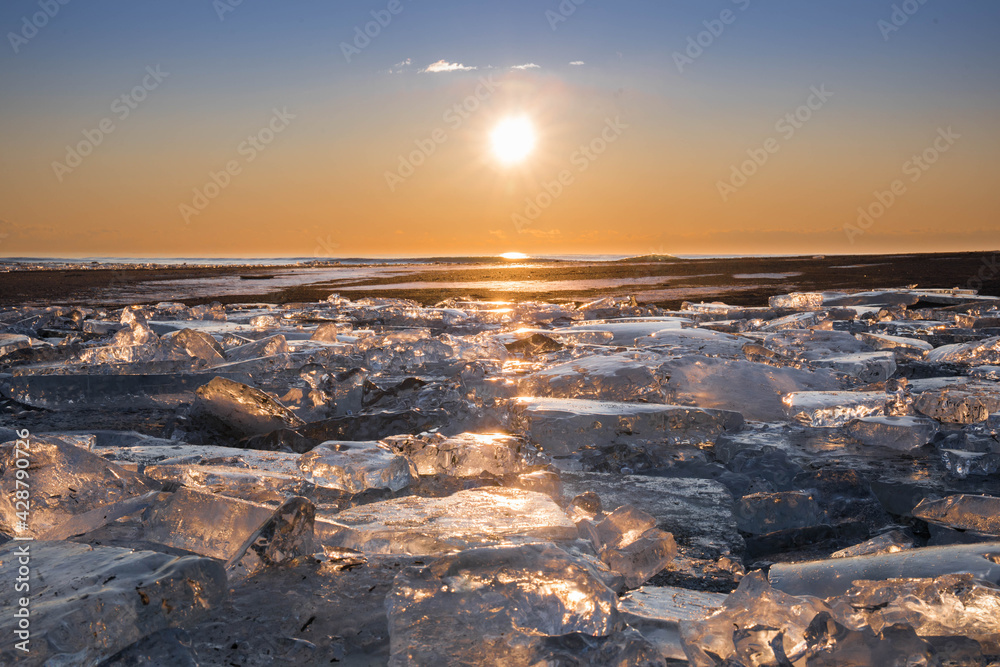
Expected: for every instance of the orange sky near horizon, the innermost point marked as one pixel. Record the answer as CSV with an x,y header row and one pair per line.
x,y
673,173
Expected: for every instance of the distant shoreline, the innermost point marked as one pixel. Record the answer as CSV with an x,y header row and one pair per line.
x,y
663,280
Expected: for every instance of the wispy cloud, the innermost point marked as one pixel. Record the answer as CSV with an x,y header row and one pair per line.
x,y
527,66
401,67
578,63
445,66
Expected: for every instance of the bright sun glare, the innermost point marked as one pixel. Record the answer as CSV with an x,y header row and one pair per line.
x,y
513,140
514,255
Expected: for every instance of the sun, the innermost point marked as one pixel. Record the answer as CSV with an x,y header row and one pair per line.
x,y
513,140
514,255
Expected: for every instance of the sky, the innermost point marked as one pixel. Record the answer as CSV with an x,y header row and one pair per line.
x,y
308,128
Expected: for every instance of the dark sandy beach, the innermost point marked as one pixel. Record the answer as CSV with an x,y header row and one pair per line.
x,y
665,282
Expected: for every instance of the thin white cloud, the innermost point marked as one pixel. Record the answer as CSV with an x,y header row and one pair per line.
x,y
578,63
527,66
445,66
400,67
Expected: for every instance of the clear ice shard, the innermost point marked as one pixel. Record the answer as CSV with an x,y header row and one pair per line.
x,y
620,528
887,543
618,377
88,603
953,605
699,513
271,346
813,344
561,426
289,534
868,367
835,408
830,578
962,464
202,523
494,605
980,514
630,544
426,526
65,481
10,343
762,626
753,389
797,301
763,513
355,467
656,612
902,346
465,454
242,409
975,353
695,341
83,392
624,333
965,403
190,344
900,433
641,559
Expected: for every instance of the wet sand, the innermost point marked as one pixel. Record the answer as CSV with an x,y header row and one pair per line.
x,y
664,282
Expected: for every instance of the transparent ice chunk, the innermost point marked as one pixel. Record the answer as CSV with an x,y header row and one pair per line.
x,y
900,433
355,467
797,301
698,512
10,343
888,543
656,612
491,606
835,408
88,603
265,347
962,512
760,625
762,513
753,389
953,605
243,409
975,353
561,426
902,347
829,578
422,526
959,404
465,454
64,481
616,377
